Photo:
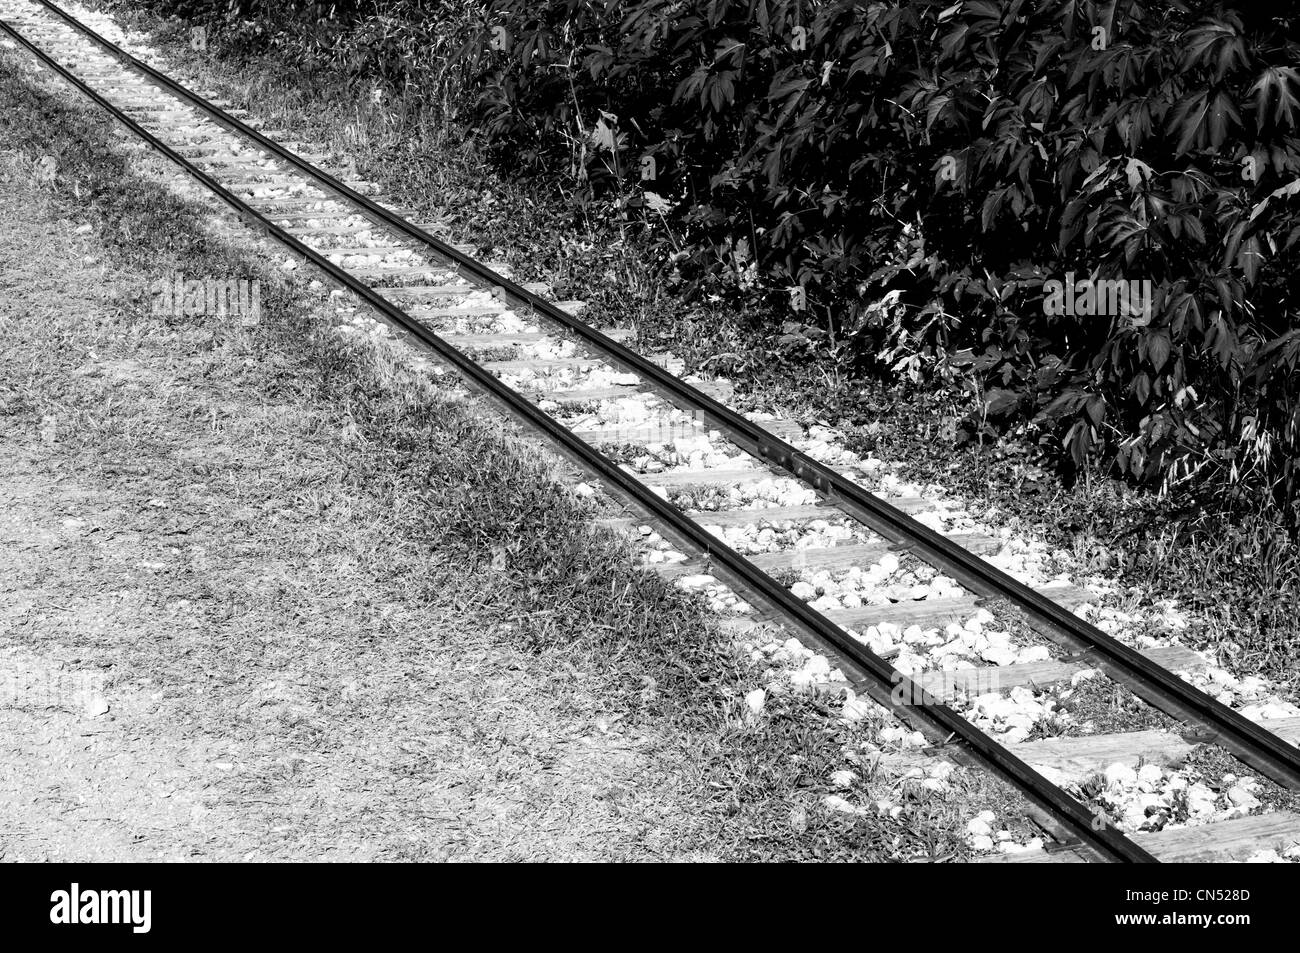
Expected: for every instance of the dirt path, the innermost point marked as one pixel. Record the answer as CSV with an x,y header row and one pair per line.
x,y
214,645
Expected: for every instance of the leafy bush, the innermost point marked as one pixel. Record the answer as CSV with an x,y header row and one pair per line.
x,y
406,44
919,172
912,176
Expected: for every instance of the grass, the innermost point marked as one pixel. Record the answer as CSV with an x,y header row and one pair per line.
x,y
1248,617
371,536
1235,575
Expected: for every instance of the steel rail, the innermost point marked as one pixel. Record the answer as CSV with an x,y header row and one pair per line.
x,y
1254,745
883,681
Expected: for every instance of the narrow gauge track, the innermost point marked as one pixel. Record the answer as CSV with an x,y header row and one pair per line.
x,y
243,167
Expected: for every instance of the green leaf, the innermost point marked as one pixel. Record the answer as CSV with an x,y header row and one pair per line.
x,y
1158,349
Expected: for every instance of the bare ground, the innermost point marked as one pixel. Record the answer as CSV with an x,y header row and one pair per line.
x,y
356,615
285,676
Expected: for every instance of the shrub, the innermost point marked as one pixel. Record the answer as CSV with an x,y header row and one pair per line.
x,y
913,176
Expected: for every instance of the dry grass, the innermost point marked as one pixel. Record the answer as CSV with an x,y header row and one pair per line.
x,y
1249,613
209,542
286,567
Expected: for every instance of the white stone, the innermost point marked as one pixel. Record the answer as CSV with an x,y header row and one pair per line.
x,y
941,770
855,708
1150,774
1200,800
1120,775
837,803
1242,799
695,582
999,655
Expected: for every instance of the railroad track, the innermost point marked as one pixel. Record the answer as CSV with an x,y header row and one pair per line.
x,y
584,391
